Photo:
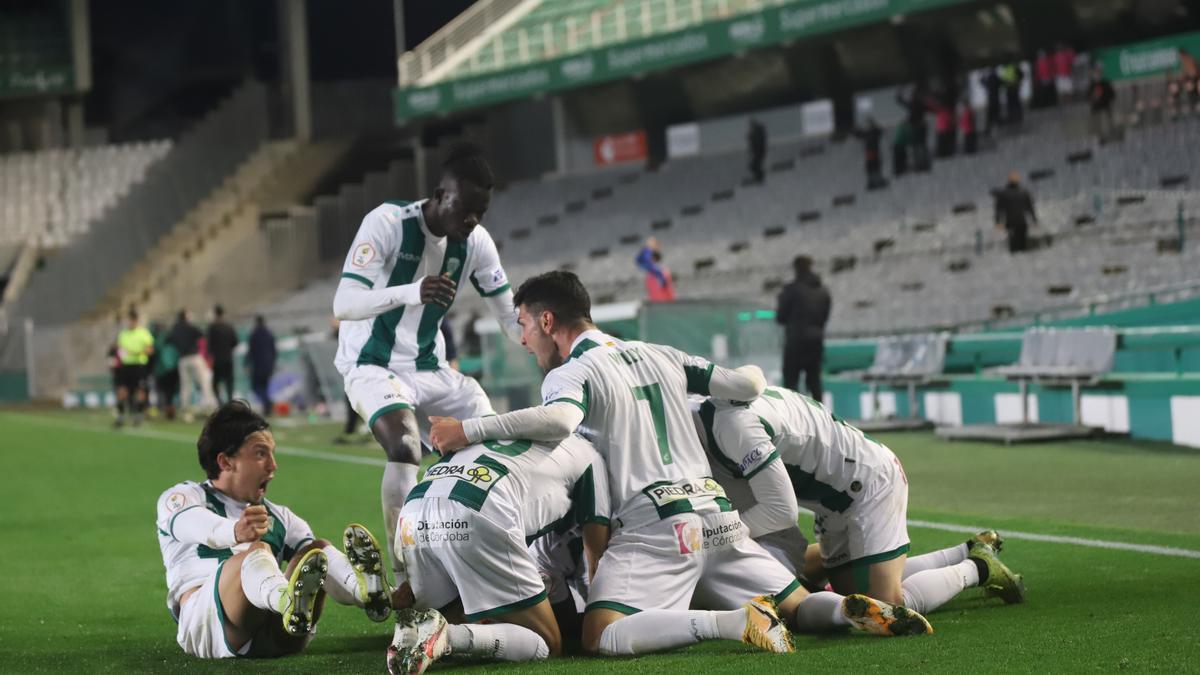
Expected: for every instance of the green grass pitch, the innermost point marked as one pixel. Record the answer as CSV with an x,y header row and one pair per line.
x,y
84,588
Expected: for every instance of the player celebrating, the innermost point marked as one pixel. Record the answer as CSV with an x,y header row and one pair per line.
x,y
399,280
789,451
677,539
222,544
463,535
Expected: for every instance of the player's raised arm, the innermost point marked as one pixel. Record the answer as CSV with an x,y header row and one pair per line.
x,y
741,441
707,378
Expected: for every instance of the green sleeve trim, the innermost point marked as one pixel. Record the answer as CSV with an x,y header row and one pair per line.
x,y
767,462
698,378
505,609
359,278
615,606
171,525
572,401
387,409
596,520
486,294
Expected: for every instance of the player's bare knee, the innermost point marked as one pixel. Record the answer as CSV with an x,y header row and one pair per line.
x,y
594,623
397,433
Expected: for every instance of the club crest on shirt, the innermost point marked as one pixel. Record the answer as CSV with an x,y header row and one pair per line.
x,y
176,501
363,255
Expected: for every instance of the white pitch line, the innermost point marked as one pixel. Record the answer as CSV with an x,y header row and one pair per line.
x,y
180,438
1056,539
929,525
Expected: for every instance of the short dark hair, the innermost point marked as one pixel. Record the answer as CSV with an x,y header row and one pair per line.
x,y
219,311
559,292
466,163
224,432
802,263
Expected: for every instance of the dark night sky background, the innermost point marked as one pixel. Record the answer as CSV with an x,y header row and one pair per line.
x,y
171,61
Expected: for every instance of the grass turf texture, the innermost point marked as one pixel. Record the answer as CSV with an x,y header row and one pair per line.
x,y
85,588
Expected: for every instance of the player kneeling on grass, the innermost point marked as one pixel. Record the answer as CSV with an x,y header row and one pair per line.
x,y
784,450
462,547
223,543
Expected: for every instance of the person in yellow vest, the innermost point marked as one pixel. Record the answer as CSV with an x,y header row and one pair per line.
x,y
135,344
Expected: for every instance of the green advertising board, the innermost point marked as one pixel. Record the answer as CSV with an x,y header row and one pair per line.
x,y
1146,59
795,21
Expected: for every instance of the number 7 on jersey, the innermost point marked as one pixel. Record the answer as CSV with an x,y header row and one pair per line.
x,y
652,394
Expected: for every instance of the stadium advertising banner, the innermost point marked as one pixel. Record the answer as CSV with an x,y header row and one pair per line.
x,y
1145,59
692,45
617,148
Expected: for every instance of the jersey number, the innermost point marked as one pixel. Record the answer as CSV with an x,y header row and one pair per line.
x,y
652,394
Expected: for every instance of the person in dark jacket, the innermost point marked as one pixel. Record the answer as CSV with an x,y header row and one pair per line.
x,y
260,359
871,136
992,85
803,310
222,339
1100,98
194,373
1014,213
756,141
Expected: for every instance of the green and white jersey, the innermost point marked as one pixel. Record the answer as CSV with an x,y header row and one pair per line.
x,y
828,461
536,487
634,399
393,247
190,564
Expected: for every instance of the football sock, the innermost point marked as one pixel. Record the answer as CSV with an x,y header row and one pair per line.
x,y
935,560
398,480
341,582
928,590
499,641
820,612
658,629
262,582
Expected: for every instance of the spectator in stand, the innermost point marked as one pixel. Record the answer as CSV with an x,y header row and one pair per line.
x,y
756,142
943,125
1185,88
1012,75
472,343
135,344
901,141
1014,213
260,359
992,86
166,370
660,287
222,340
803,310
967,126
1100,98
1064,72
915,104
1045,92
194,373
871,136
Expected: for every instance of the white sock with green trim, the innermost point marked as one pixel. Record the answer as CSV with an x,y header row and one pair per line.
x,y
821,612
341,582
928,590
399,478
497,641
658,629
262,582
935,560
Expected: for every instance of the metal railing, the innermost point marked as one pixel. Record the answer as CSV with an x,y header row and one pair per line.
x,y
535,39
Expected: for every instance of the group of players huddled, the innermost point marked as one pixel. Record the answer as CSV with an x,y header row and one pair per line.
x,y
654,490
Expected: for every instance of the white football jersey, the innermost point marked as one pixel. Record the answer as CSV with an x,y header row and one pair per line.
x,y
536,487
829,462
189,565
634,399
393,247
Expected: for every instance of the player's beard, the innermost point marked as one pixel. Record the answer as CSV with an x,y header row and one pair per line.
x,y
553,360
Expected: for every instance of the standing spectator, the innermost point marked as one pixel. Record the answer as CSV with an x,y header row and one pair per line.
x,y
1012,75
918,129
968,128
660,287
943,126
991,87
1100,98
134,347
803,309
1045,91
1014,213
1064,72
222,340
193,369
260,359
756,141
901,140
871,136
166,371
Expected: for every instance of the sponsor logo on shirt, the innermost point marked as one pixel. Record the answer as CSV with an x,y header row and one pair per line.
x,y
723,534
363,254
688,538
408,257
176,501
498,277
474,474
455,530
750,459
663,495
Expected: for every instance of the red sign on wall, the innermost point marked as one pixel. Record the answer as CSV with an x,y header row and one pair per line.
x,y
616,148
